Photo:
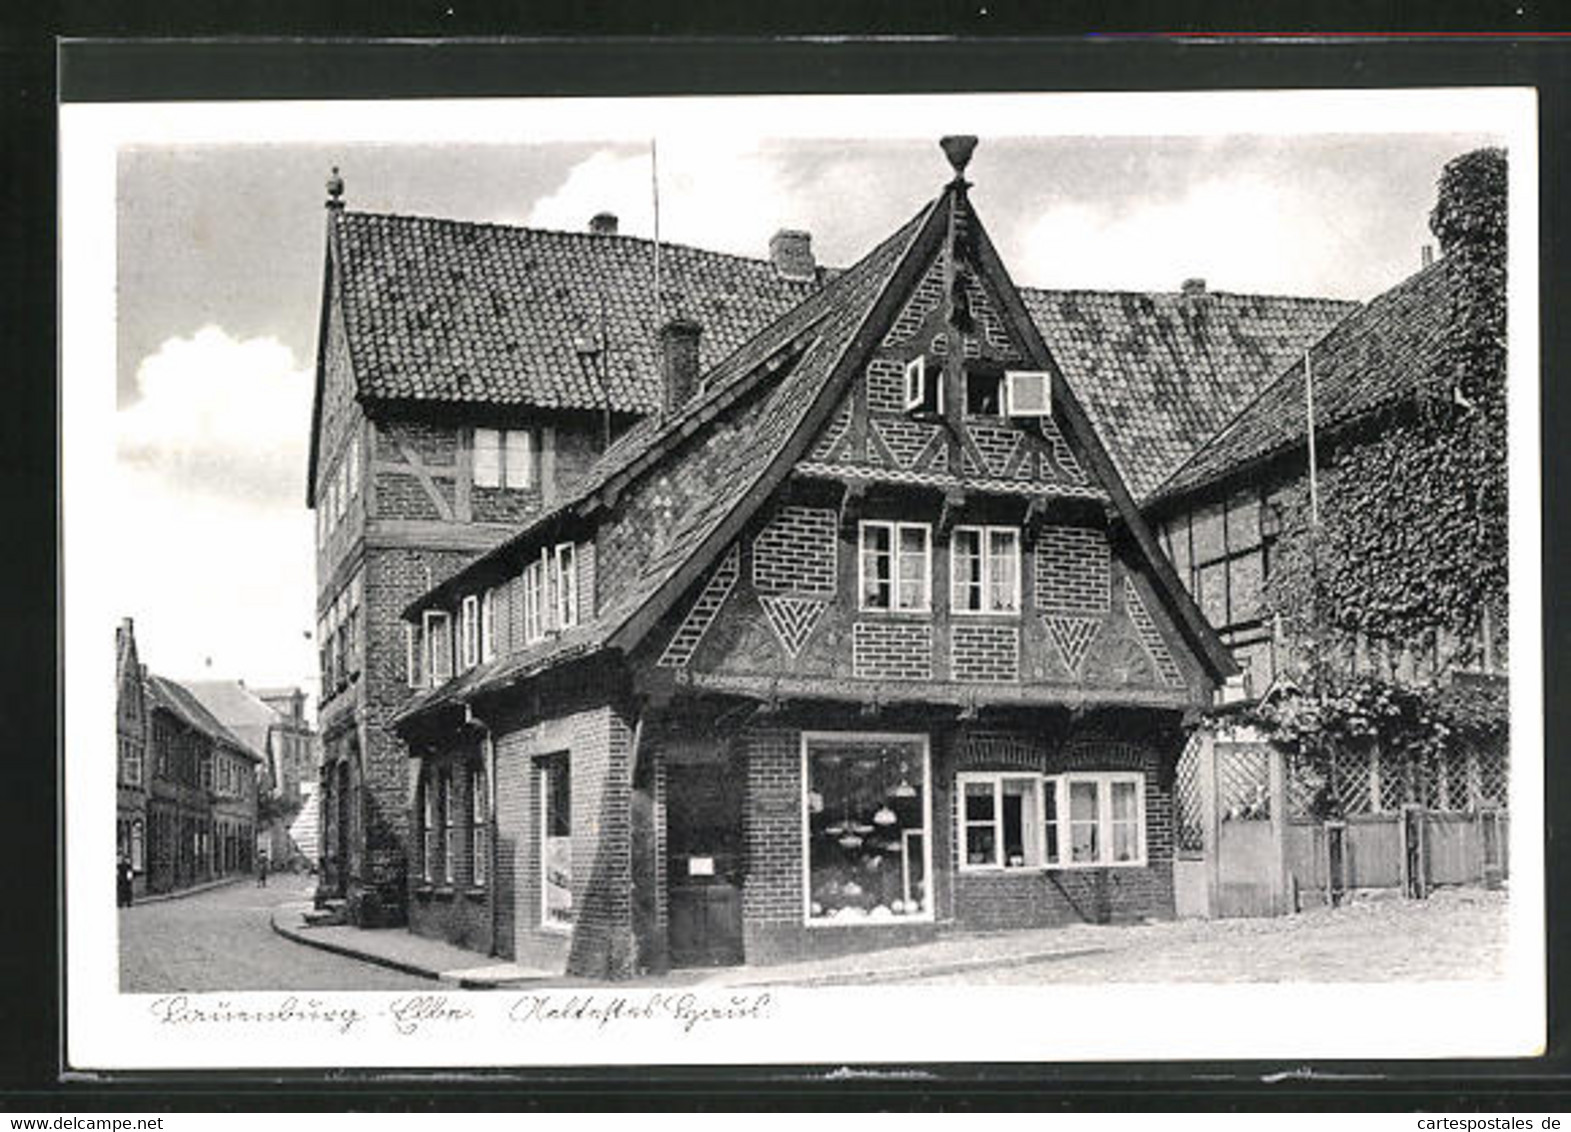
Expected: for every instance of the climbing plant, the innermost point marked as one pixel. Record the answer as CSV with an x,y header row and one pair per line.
x,y
1412,533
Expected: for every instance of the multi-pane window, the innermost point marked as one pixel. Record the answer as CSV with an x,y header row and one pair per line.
x,y
477,826
130,762
896,567
438,645
1221,552
488,625
1056,821
1002,827
534,602
449,829
984,570
427,829
504,458
565,586
469,631
412,655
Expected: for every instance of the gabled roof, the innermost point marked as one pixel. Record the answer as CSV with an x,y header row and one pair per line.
x,y
184,706
447,310
240,711
1161,373
1377,356
732,455
742,457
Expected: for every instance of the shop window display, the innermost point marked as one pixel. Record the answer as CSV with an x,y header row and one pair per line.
x,y
867,823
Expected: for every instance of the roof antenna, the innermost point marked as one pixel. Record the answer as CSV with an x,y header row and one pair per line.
x,y
654,184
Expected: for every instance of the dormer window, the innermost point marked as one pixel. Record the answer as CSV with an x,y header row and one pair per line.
x,y
469,631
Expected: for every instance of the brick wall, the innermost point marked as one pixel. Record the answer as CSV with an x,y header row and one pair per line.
x,y
983,653
795,552
1072,570
893,650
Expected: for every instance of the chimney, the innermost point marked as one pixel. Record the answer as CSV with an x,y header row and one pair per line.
x,y
1426,255
679,362
1194,288
791,251
603,224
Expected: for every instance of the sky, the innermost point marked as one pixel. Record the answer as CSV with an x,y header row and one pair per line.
x,y
219,253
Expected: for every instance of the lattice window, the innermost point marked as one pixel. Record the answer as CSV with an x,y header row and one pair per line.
x,y
1493,776
1186,801
1306,784
1460,794
1243,785
1396,783
1349,782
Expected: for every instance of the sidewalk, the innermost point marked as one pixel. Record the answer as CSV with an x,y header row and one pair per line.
x,y
401,950
182,893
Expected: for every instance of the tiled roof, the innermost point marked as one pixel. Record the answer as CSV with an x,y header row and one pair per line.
x,y
180,703
729,459
240,710
1159,374
1374,357
447,310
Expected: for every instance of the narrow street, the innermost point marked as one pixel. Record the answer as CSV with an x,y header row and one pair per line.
x,y
222,940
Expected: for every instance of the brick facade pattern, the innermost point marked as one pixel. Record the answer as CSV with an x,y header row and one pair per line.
x,y
892,650
1150,636
796,553
983,653
702,614
1073,570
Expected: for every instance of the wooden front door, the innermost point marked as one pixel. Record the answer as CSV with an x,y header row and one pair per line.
x,y
704,865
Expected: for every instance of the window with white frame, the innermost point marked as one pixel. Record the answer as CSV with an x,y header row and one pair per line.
x,y
449,829
923,391
412,655
1080,820
438,645
866,818
469,631
504,458
478,853
427,827
556,842
896,567
488,625
1000,815
565,585
534,602
984,570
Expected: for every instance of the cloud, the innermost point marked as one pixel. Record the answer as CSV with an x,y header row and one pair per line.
x,y
1242,233
726,196
221,415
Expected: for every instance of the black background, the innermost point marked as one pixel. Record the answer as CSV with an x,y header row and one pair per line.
x,y
656,52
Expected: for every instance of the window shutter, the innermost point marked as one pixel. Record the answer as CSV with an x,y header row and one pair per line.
x,y
1028,393
915,383
520,457
488,625
488,458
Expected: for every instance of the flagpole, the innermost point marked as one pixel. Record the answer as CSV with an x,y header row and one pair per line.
x,y
654,184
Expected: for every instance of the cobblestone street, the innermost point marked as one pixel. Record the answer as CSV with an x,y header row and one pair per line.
x,y
222,940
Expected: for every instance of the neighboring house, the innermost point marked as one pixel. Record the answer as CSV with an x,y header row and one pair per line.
x,y
1383,598
297,754
202,800
131,760
861,638
469,375
282,743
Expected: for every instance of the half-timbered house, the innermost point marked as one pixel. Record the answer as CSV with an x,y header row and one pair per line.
x,y
862,637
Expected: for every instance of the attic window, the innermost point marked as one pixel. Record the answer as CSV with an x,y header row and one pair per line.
x,y
984,392
923,393
1028,393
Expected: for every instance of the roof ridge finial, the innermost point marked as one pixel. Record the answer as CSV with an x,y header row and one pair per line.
x,y
335,190
958,148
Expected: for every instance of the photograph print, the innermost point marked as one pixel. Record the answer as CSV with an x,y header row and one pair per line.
x,y
774,555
